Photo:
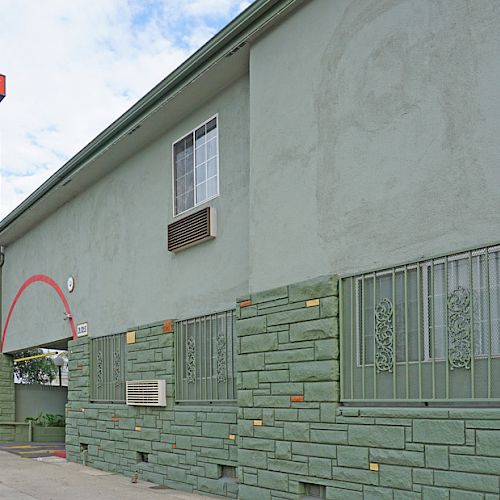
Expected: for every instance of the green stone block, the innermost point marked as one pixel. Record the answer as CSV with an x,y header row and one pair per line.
x,y
270,295
249,380
314,330
352,456
321,391
410,458
469,495
436,457
480,465
326,349
165,458
268,432
329,306
341,494
212,486
288,466
274,376
259,343
439,431
395,476
375,493
252,458
323,286
407,495
355,475
314,372
271,401
293,316
212,429
309,415
289,414
258,444
289,356
283,450
377,436
289,388
296,431
314,450
247,492
331,437
488,442
320,468
272,480
466,481
245,398
184,418
251,362
251,326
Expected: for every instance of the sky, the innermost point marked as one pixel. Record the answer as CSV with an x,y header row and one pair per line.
x,y
75,66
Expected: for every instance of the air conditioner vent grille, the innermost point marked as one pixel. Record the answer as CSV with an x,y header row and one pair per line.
x,y
192,229
146,393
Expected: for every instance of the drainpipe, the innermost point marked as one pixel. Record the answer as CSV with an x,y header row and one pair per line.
x,y
2,261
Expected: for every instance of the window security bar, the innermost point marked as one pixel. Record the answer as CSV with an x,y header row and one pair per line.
x,y
205,351
423,332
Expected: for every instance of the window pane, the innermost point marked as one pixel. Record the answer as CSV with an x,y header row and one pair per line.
x,y
201,154
212,148
212,167
201,174
201,192
211,187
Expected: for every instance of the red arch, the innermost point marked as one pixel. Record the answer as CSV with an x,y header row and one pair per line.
x,y
26,284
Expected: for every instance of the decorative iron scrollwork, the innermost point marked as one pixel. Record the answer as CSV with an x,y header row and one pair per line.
x,y
384,348
100,369
221,357
190,361
117,370
459,328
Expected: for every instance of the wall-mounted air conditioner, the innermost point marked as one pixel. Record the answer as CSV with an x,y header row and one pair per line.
x,y
146,393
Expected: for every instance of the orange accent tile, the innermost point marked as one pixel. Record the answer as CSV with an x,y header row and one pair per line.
x,y
297,399
246,303
174,446
168,326
115,419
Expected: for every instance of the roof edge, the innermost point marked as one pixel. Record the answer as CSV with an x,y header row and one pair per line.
x,y
254,16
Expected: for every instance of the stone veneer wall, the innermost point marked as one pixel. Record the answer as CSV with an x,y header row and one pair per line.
x,y
186,446
290,429
7,399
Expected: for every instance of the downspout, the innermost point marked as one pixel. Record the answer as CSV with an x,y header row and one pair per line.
x,y
2,261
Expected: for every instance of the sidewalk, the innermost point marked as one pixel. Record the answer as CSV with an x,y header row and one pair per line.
x,y
55,479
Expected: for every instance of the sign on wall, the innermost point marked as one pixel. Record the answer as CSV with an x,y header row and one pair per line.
x,y
82,329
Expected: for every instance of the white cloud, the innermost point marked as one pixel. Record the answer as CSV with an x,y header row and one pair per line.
x,y
74,67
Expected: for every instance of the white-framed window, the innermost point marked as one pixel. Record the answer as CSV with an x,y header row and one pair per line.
x,y
196,167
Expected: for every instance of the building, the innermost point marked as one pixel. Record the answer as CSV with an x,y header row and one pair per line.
x,y
348,154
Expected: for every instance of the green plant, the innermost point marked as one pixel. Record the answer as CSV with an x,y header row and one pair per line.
x,y
47,420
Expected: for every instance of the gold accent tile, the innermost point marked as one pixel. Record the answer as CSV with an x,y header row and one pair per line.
x,y
373,467
130,337
312,303
232,437
257,422
138,428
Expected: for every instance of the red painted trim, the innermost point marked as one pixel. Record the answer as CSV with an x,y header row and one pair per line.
x,y
44,279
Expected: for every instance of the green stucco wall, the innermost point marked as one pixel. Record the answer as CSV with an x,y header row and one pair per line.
x,y
290,429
